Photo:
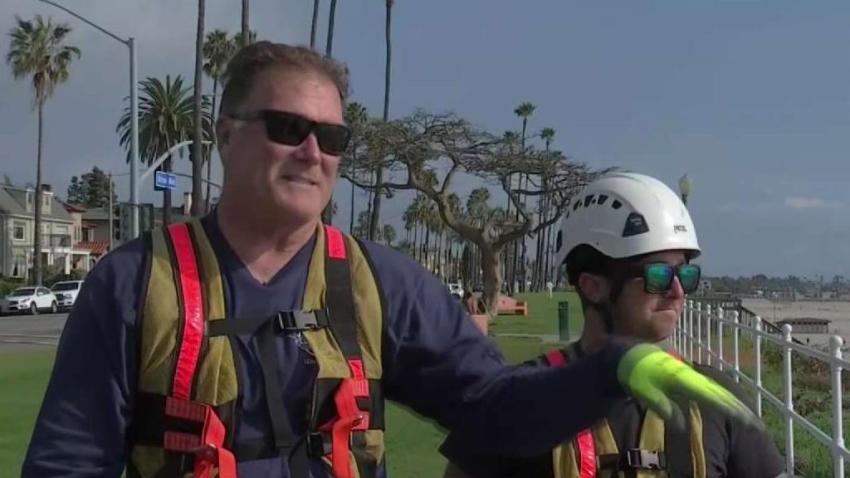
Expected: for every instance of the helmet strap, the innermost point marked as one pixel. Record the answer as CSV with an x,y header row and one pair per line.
x,y
605,311
605,308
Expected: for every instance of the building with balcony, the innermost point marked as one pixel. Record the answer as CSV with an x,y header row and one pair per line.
x,y
17,227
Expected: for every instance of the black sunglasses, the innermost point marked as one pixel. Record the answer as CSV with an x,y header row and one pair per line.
x,y
658,277
292,129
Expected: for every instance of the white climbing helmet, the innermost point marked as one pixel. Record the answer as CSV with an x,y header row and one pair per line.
x,y
624,215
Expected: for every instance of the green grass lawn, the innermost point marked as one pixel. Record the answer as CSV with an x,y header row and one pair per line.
x,y
23,377
411,441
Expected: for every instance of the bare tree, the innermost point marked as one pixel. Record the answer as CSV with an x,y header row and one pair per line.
x,y
427,152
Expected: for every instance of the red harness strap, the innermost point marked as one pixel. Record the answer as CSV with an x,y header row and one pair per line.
x,y
585,447
193,311
349,418
208,447
336,243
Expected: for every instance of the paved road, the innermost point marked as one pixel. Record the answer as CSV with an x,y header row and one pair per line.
x,y
30,332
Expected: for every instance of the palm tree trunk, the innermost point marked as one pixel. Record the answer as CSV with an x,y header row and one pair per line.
x,y
209,158
548,231
427,245
545,277
329,45
36,241
246,27
519,246
438,254
353,209
379,174
166,196
314,24
197,146
327,212
415,240
369,193
550,261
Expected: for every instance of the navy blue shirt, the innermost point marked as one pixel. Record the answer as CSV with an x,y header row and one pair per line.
x,y
434,361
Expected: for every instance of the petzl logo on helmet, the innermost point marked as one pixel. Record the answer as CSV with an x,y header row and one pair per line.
x,y
635,224
680,228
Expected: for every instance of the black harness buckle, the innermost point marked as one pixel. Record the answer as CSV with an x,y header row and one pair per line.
x,y
645,459
318,444
298,320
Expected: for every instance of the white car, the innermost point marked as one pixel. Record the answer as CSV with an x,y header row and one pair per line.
x,y
66,292
32,299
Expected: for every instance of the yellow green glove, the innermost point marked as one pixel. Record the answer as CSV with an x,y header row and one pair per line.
x,y
653,376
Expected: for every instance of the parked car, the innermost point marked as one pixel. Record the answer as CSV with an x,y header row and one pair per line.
x,y
30,299
455,289
66,292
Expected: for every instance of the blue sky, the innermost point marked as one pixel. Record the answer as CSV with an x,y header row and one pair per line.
x,y
750,98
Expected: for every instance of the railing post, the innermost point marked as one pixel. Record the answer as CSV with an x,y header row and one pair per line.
x,y
691,330
699,333
757,357
736,351
835,343
677,332
789,400
708,325
720,317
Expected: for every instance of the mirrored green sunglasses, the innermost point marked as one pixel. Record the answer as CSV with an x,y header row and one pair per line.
x,y
658,277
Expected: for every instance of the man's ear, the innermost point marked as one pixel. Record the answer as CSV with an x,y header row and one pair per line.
x,y
223,128
593,287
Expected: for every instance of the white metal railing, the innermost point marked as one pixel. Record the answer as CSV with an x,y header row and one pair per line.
x,y
701,330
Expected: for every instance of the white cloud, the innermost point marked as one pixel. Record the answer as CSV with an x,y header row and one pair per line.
x,y
803,202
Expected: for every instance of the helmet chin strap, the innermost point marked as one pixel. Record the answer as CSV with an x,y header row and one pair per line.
x,y
605,309
606,312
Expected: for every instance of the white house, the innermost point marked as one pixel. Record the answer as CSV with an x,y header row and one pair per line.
x,y
17,221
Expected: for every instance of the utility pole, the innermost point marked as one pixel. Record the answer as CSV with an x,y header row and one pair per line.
x,y
111,218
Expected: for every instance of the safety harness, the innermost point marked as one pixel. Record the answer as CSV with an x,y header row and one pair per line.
x,y
661,452
186,424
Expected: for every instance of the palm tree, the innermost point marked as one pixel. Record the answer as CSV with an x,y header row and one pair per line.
x,y
38,51
326,213
478,212
165,119
510,139
379,172
417,213
357,118
246,26
476,205
218,49
411,222
524,111
198,133
329,45
389,234
547,135
362,224
314,24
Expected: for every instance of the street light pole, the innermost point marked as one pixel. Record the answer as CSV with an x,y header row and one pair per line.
x,y
130,43
134,142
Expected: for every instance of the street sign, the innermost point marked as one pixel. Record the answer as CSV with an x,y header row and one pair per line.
x,y
163,180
